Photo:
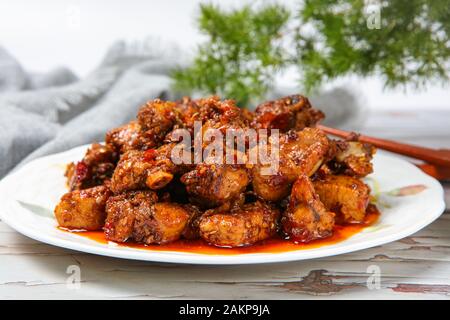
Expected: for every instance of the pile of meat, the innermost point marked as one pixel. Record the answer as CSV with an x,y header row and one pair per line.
x,y
130,187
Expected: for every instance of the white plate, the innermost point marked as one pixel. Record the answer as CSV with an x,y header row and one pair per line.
x,y
29,195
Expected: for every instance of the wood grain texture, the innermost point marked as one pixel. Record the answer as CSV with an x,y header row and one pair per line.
x,y
416,267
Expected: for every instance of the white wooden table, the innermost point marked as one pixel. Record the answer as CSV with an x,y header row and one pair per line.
x,y
415,267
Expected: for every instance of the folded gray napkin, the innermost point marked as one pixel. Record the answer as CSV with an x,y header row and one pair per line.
x,y
47,113
53,112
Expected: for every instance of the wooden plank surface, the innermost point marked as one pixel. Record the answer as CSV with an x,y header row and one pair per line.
x,y
416,267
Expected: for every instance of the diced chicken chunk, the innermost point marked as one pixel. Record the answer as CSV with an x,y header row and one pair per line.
x,y
239,226
300,153
122,210
306,217
83,209
346,196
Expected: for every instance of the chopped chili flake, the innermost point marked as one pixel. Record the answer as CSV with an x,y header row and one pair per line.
x,y
150,154
81,171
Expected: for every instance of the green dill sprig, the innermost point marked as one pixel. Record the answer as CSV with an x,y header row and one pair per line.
x,y
325,39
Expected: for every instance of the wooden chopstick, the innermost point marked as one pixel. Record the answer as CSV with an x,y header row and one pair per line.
x,y
439,157
438,172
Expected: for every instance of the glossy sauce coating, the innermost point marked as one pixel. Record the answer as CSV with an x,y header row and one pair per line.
x,y
272,245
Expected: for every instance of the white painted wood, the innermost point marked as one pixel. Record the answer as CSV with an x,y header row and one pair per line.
x,y
417,267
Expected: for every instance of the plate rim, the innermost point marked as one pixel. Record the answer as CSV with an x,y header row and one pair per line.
x,y
211,259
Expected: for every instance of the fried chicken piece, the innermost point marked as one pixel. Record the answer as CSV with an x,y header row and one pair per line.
x,y
353,158
131,171
211,185
239,226
187,111
192,229
127,137
224,116
156,118
306,217
152,168
300,153
248,116
163,223
163,169
138,215
291,112
346,196
94,169
122,210
219,113
83,209
214,116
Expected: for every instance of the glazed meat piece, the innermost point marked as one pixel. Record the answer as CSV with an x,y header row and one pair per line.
x,y
164,222
239,226
122,210
127,137
83,209
211,185
306,217
192,229
219,113
353,158
210,113
152,168
291,112
187,111
346,196
300,153
214,184
156,118
164,168
138,216
248,116
94,169
224,116
131,172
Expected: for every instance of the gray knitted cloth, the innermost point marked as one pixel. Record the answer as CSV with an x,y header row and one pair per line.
x,y
47,113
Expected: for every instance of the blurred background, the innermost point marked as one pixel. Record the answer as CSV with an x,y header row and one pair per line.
x,y
51,33
70,70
